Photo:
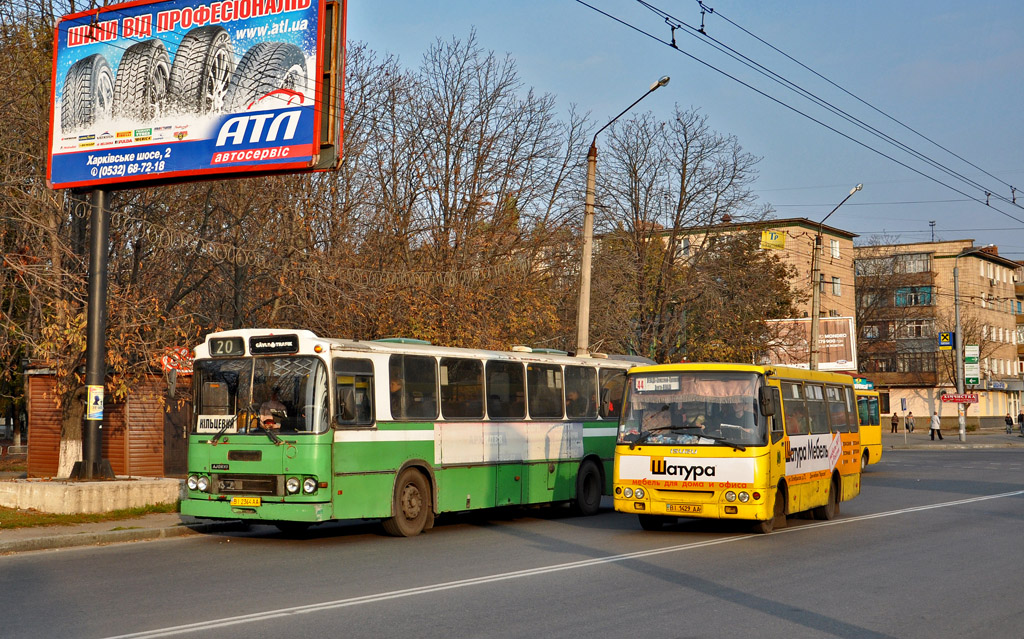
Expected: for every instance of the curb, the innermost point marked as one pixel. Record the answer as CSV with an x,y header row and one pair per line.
x,y
113,537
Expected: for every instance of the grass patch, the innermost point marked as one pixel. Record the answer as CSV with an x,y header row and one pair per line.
x,y
18,518
14,464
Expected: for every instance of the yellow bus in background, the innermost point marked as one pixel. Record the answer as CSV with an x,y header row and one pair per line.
x,y
736,442
870,421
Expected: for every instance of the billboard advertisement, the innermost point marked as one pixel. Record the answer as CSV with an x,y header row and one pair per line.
x,y
837,343
180,88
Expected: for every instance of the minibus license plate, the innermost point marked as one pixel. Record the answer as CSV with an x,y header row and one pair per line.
x,y
684,508
246,501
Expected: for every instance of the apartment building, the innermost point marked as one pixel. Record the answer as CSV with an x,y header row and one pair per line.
x,y
907,297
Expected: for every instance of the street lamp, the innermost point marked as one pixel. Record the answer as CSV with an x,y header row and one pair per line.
x,y
816,285
583,309
961,408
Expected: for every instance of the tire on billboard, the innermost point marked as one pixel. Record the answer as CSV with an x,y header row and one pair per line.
x,y
88,93
265,68
203,68
140,91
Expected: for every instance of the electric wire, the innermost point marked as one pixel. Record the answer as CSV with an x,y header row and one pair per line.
x,y
794,109
775,77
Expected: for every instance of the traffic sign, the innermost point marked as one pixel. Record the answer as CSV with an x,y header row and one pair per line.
x,y
965,398
972,369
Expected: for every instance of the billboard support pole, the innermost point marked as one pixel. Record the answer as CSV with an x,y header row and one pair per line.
x,y
93,465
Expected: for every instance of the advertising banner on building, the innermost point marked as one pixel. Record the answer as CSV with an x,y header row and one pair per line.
x,y
179,88
837,343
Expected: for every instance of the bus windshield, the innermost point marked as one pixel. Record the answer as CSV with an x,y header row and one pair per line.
x,y
254,395
693,408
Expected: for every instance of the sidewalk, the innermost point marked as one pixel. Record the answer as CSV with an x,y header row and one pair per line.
x,y
146,527
920,439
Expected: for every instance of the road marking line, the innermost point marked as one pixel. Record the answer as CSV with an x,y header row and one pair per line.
x,y
517,574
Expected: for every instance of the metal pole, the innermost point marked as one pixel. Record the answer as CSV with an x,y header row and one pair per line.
x,y
815,300
583,304
93,463
583,307
960,417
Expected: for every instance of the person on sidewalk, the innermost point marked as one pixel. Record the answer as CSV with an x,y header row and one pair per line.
x,y
908,422
1020,421
895,422
1009,424
936,425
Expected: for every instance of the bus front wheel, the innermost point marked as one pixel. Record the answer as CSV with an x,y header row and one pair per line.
x,y
830,510
778,519
411,506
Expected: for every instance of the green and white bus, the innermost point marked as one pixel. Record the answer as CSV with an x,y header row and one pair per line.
x,y
293,429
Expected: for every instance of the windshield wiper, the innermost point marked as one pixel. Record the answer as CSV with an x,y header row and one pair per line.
x,y
723,440
233,420
274,438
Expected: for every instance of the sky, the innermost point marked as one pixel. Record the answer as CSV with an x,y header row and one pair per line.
x,y
949,71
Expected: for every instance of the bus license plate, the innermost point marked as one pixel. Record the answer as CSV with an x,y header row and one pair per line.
x,y
246,501
684,508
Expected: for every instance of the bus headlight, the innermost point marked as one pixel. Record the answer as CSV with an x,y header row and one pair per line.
x,y
192,482
730,496
309,485
744,497
203,483
292,485
639,493
627,493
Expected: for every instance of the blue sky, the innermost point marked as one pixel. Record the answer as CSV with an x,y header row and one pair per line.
x,y
949,70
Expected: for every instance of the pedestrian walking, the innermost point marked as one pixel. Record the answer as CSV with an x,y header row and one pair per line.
x,y
1009,424
1020,421
936,425
908,422
895,421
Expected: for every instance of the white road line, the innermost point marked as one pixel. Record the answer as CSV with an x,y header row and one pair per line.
x,y
505,576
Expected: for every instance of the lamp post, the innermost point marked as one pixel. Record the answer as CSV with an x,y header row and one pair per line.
x,y
961,408
583,308
816,285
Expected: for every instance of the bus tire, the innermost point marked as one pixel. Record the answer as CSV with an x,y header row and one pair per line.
x,y
588,489
778,519
830,510
411,505
864,461
652,522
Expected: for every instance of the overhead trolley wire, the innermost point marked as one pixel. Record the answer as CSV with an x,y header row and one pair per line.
x,y
673,46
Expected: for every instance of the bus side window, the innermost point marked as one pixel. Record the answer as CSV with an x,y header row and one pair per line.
x,y
413,385
580,392
353,391
506,384
795,409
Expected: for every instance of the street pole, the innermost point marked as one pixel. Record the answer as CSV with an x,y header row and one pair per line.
x,y
961,418
583,303
93,465
816,283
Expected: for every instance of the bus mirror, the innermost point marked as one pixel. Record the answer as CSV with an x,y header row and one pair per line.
x,y
766,400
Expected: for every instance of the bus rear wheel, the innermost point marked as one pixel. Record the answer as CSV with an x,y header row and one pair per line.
x,y
588,489
411,505
830,510
864,461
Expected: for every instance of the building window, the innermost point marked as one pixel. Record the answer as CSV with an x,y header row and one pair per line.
x,y
915,362
912,329
836,288
914,296
870,331
834,244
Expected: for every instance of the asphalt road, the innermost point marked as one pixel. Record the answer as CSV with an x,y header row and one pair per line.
x,y
931,548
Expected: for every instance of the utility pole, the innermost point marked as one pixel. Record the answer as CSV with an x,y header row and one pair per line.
x,y
816,282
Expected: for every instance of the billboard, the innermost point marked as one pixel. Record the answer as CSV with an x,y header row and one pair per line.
x,y
837,343
176,89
